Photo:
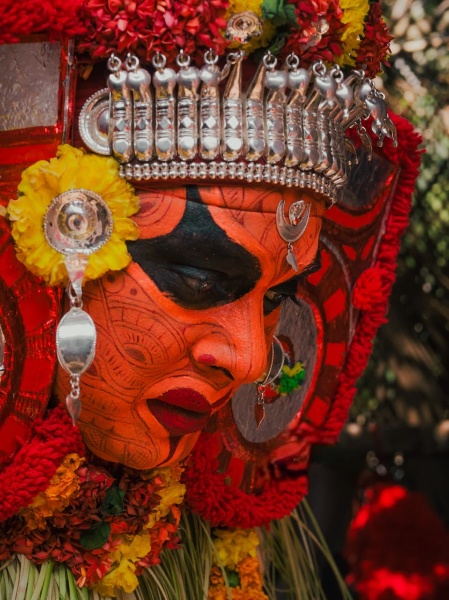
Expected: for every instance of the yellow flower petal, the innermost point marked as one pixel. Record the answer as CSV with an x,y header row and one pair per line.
x,y
42,182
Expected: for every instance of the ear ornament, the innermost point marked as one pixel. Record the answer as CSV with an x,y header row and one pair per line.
x,y
298,215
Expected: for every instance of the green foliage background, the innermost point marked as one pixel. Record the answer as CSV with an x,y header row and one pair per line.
x,y
408,377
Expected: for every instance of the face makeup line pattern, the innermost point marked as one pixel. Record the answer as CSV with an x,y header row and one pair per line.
x,y
188,322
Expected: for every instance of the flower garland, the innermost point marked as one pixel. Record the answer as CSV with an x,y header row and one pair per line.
x,y
355,13
408,156
236,554
211,494
375,45
42,182
105,522
147,27
57,18
351,32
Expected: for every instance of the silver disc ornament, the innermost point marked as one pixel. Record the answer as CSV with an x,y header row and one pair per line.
x,y
94,123
78,221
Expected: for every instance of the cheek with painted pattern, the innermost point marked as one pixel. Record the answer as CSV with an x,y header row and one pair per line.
x,y
187,323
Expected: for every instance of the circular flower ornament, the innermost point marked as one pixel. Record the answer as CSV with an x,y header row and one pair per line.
x,y
98,193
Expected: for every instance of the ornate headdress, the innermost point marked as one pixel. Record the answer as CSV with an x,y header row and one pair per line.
x,y
286,128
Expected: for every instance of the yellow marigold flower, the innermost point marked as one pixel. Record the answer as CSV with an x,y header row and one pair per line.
x,y
123,577
354,13
234,545
268,29
63,486
42,182
172,492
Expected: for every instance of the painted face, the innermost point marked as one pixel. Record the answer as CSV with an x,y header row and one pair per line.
x,y
190,319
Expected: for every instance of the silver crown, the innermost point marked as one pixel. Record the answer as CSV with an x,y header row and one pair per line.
x,y
287,129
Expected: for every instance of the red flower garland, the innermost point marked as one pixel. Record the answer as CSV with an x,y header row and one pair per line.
x,y
36,462
308,14
369,289
113,496
211,494
146,27
57,18
375,45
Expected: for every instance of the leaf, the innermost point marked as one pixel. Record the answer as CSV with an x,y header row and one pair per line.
x,y
278,43
113,502
279,13
233,578
96,536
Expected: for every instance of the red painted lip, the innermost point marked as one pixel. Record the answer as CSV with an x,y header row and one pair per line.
x,y
181,411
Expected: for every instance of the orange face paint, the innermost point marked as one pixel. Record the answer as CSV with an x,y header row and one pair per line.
x,y
184,326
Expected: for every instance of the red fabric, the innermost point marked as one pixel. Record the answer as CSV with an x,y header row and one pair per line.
x,y
407,155
397,547
37,460
212,495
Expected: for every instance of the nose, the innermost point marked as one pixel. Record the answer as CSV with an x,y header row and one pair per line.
x,y
231,345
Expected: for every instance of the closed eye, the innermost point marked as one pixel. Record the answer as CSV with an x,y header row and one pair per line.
x,y
198,288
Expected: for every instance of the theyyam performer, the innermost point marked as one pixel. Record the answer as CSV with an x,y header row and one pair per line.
x,y
201,208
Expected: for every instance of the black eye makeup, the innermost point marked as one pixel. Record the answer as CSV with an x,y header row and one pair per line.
x,y
197,265
275,296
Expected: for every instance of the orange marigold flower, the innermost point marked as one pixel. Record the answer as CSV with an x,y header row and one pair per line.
x,y
63,486
249,573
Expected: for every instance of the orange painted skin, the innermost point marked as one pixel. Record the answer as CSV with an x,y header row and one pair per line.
x,y
162,366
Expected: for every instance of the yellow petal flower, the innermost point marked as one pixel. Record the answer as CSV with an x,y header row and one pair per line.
x,y
354,13
42,182
233,545
123,577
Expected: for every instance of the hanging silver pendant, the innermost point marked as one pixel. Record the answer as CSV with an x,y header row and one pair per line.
x,y
75,341
298,214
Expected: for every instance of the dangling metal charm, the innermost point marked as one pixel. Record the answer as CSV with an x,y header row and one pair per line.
x,y
298,214
276,362
75,344
77,223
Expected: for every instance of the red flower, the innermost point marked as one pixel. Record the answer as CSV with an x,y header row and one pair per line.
x,y
313,16
375,45
148,26
211,494
54,17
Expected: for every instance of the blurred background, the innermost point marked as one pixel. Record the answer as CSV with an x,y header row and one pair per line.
x,y
398,431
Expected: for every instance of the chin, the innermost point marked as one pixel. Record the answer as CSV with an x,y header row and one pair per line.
x,y
127,452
